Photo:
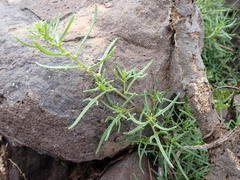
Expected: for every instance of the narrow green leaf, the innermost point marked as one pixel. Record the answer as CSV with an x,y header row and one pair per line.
x,y
67,28
128,100
106,53
55,27
90,104
131,139
106,58
51,24
119,71
91,90
109,82
86,36
29,35
135,177
190,151
179,165
109,107
116,74
162,111
45,28
90,99
161,149
109,48
109,99
136,121
57,67
146,104
46,51
140,74
24,42
146,67
114,122
32,31
134,130
106,133
141,152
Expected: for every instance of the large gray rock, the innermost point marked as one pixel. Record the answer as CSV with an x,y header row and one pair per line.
x,y
37,105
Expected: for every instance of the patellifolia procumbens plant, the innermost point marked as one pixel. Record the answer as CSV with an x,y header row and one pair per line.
x,y
155,106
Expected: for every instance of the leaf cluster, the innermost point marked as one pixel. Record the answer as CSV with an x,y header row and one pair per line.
x,y
220,56
219,53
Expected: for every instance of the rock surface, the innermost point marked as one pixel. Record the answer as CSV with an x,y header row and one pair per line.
x,y
37,105
225,159
128,168
25,163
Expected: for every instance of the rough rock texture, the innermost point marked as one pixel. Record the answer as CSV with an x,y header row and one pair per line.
x,y
24,162
127,168
37,105
237,101
3,160
189,41
225,159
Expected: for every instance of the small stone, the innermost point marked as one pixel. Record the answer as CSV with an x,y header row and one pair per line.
x,y
127,168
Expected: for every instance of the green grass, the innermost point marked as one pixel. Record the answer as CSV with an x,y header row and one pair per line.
x,y
188,164
219,53
220,56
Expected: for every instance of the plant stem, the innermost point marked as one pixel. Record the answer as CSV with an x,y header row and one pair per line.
x,y
131,102
75,58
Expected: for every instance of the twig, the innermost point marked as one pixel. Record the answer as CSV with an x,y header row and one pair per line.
x,y
224,47
149,169
230,108
216,143
228,87
209,134
21,173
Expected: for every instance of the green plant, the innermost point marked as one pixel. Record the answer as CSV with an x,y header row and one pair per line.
x,y
226,102
187,164
218,52
155,113
234,122
64,164
220,56
194,162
